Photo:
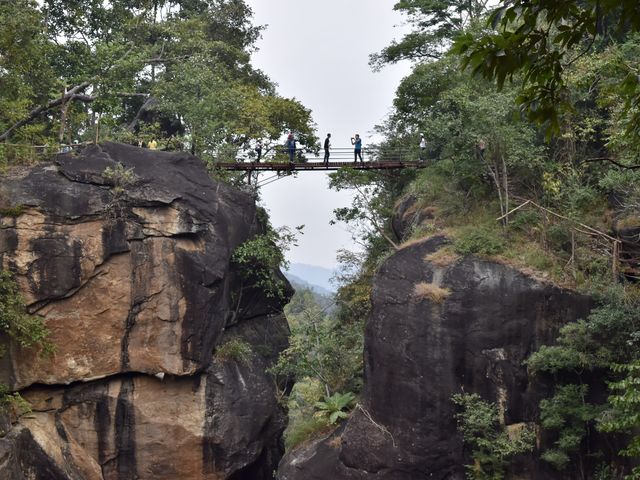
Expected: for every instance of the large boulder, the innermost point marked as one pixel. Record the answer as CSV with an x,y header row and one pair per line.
x,y
439,325
126,255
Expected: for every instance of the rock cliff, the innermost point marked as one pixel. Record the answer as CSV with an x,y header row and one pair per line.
x,y
126,254
439,325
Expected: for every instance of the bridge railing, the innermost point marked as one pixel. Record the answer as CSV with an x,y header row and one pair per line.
x,y
336,154
25,154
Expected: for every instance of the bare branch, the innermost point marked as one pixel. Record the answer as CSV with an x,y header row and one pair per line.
x,y
614,162
145,106
33,114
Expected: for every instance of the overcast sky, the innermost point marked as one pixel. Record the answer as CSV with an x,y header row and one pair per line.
x,y
318,52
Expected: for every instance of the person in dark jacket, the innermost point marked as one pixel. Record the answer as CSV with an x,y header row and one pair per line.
x,y
327,147
258,151
291,147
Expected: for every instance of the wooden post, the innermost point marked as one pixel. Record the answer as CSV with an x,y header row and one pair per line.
x,y
572,260
615,255
97,139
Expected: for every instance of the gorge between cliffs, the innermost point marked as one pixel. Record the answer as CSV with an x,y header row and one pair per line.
x,y
140,294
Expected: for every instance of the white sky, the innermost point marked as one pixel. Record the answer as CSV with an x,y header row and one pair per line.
x,y
318,52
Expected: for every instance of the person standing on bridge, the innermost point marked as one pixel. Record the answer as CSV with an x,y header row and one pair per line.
x,y
291,147
258,151
423,148
357,151
327,146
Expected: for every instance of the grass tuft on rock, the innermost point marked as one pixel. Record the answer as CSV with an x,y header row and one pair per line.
x,y
430,291
13,211
443,257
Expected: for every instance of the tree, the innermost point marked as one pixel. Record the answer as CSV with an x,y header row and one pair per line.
x,y
178,71
492,446
372,204
321,348
537,41
459,115
624,416
570,416
435,24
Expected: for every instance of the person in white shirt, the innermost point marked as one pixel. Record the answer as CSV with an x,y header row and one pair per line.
x,y
423,148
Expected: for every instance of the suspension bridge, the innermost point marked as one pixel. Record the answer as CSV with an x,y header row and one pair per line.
x,y
253,163
274,159
305,160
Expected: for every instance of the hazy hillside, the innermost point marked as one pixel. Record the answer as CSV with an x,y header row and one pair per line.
x,y
315,276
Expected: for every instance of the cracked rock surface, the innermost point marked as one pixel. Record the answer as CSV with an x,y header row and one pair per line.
x,y
420,350
135,283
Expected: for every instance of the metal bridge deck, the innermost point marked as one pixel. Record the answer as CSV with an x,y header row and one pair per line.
x,y
317,166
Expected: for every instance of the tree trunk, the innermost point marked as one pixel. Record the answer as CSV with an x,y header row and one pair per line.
x,y
505,182
63,116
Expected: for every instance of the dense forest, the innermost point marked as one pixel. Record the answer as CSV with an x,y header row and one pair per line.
x,y
531,112
133,71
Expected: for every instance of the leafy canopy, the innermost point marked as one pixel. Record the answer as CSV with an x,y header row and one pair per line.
x,y
539,40
132,70
492,447
434,24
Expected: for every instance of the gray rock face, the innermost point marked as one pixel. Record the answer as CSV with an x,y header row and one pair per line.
x,y
133,277
408,216
420,351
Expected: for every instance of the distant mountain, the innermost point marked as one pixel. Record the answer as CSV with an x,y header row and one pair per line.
x,y
312,274
299,283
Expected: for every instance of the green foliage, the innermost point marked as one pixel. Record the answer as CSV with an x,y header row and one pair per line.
x,y
325,350
233,350
541,40
555,359
609,335
13,403
492,447
524,220
571,69
305,429
435,23
624,414
569,414
303,424
625,185
27,330
334,406
321,347
372,205
119,178
478,241
178,71
260,257
14,211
